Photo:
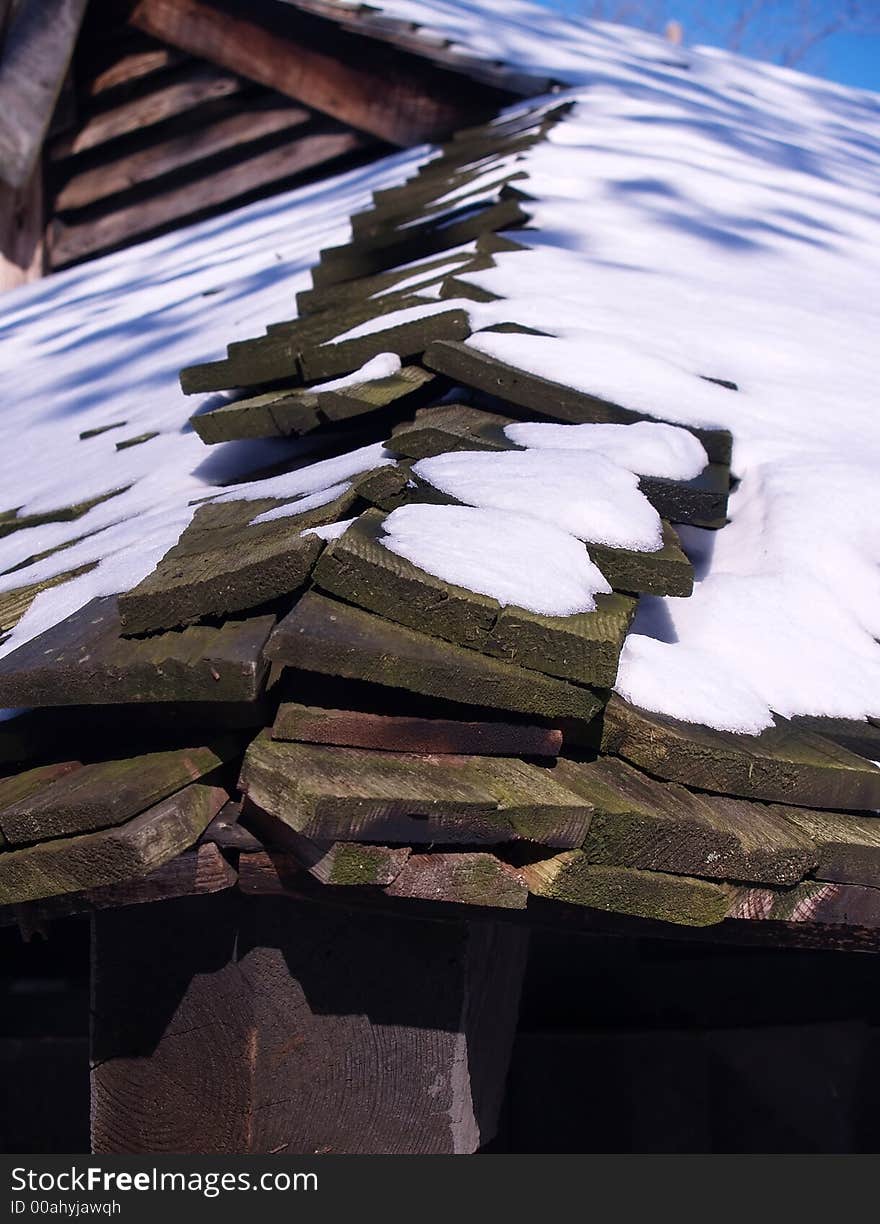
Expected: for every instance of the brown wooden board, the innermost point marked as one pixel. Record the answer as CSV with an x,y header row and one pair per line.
x,y
400,733
248,122
304,151
106,793
192,873
225,563
469,878
781,765
357,567
110,856
84,660
280,414
660,826
571,877
553,401
193,84
377,88
351,794
323,635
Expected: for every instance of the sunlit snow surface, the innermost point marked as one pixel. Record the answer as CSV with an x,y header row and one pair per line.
x,y
104,343
695,215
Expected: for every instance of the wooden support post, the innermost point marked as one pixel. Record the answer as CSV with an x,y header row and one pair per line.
x,y
21,232
237,1025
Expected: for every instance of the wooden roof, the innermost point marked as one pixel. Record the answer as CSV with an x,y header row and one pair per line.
x,y
286,713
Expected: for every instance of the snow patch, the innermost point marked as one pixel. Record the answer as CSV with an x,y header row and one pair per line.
x,y
580,492
510,557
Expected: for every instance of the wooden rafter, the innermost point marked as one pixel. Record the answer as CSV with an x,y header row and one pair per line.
x,y
368,84
36,53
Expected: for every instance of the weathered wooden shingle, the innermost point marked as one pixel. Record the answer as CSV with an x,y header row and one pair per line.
x,y
781,765
550,400
350,794
322,635
85,660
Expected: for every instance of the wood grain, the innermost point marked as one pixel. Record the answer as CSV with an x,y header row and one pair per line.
x,y
257,1025
325,636
84,660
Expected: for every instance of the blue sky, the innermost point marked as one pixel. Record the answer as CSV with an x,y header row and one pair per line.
x,y
851,58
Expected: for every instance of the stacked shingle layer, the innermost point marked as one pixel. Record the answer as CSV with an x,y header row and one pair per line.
x,y
382,728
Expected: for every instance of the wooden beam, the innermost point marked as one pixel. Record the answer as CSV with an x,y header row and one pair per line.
x,y
163,157
392,94
303,153
193,87
248,1028
36,54
21,232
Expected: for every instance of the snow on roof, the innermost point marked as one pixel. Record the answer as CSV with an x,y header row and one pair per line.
x,y
693,217
482,478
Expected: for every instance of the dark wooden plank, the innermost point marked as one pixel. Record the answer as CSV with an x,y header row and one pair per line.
x,y
86,661
571,877
811,914
106,793
216,570
660,826
422,275
121,225
849,846
258,1025
407,340
278,356
325,636
226,832
859,736
281,414
192,873
469,878
781,765
357,568
36,52
132,66
351,794
367,257
550,400
392,94
450,427
399,733
192,86
110,856
176,152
